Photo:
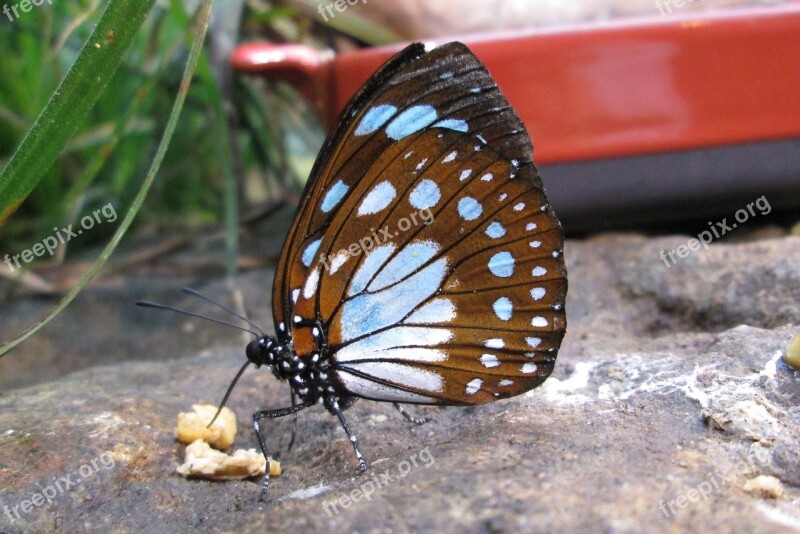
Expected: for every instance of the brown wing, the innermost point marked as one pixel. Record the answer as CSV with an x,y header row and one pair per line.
x,y
425,259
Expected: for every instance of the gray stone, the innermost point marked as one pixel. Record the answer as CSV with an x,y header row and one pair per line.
x,y
669,395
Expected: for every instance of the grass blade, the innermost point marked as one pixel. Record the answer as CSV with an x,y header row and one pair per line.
x,y
194,54
71,102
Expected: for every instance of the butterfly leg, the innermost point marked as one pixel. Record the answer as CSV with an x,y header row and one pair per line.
x,y
294,422
333,405
409,417
271,414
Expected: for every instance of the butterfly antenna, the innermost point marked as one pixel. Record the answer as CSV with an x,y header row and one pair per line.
x,y
148,304
228,393
197,294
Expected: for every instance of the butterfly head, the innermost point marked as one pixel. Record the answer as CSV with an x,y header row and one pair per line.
x,y
264,351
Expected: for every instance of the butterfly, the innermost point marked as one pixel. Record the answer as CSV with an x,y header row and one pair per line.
x,y
424,265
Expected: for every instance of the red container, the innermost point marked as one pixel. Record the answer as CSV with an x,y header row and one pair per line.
x,y
643,119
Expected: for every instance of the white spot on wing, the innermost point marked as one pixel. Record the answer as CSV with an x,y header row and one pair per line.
x,y
450,157
402,375
533,342
398,337
338,260
528,368
407,354
440,310
539,271
373,390
538,293
312,282
474,386
539,322
489,361
494,343
377,199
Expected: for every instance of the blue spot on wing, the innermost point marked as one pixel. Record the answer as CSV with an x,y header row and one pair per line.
x,y
495,230
374,118
411,121
502,264
469,208
369,267
408,260
310,252
334,196
425,195
453,124
503,308
369,312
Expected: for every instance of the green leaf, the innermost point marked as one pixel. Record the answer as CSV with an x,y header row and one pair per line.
x,y
72,101
204,16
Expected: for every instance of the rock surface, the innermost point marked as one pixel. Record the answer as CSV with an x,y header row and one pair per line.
x,y
669,398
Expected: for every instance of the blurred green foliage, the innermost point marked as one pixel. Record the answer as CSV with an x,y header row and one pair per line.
x,y
273,134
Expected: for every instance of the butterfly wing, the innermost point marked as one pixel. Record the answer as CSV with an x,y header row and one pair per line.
x,y
427,263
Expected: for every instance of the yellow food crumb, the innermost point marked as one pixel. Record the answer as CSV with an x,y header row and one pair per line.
x,y
204,462
764,486
792,355
193,426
